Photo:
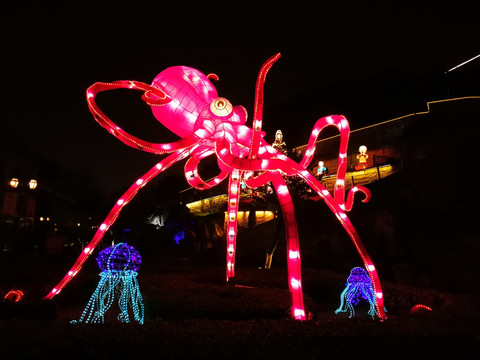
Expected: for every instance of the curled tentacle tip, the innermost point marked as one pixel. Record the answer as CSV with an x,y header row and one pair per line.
x,y
363,190
351,195
367,194
213,77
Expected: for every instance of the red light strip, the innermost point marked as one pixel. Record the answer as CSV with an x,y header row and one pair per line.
x,y
122,135
294,266
17,295
233,202
258,112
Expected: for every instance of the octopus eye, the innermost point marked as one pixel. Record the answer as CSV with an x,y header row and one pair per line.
x,y
221,107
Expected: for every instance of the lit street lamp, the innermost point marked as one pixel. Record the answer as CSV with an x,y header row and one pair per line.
x,y
32,184
17,211
14,183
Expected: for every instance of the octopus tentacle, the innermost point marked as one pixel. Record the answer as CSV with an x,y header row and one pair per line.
x,y
351,195
191,170
113,215
357,242
233,202
258,110
293,247
341,123
124,136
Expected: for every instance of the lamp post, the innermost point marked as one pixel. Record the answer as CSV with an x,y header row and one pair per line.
x,y
18,211
17,201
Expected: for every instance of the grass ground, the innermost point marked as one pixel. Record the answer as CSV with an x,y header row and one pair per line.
x,y
191,313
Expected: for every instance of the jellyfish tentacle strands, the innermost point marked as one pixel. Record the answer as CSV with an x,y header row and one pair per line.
x,y
359,287
118,280
185,101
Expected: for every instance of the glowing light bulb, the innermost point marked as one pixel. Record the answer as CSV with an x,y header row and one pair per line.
x,y
298,313
72,273
293,255
295,283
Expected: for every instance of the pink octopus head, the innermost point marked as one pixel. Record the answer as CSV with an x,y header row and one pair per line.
x,y
194,100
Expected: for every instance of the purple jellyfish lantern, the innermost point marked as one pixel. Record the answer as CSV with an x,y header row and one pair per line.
x,y
359,286
119,264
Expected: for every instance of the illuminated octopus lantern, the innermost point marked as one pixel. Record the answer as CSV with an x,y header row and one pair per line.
x,y
118,281
185,101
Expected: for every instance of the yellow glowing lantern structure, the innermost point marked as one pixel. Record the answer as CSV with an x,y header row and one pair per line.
x,y
14,183
32,184
362,158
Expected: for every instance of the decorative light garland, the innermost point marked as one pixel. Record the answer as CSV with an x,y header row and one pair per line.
x,y
420,307
14,295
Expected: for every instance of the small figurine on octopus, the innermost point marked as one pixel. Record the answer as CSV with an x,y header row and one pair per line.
x,y
321,170
279,144
362,158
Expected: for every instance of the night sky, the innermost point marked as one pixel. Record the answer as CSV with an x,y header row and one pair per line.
x,y
370,63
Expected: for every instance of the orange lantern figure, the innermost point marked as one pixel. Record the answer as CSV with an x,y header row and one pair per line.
x,y
362,158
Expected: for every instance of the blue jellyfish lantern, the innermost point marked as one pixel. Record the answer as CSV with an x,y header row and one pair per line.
x,y
118,279
359,286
